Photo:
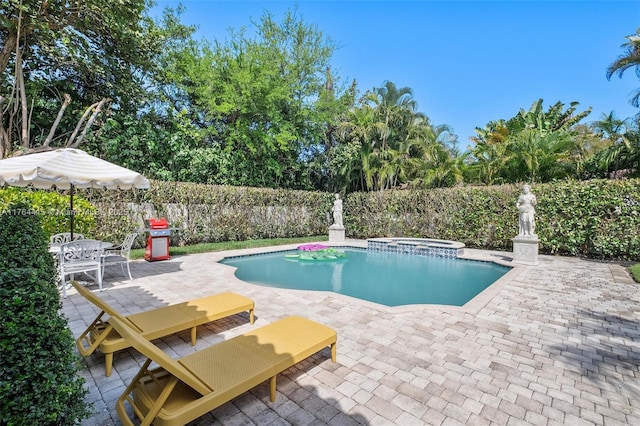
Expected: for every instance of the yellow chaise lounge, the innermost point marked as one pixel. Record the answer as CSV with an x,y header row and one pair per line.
x,y
179,391
155,323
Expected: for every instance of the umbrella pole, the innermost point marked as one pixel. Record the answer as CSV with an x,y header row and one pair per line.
x,y
71,212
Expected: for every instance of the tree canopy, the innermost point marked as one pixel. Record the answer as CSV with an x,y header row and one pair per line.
x,y
87,53
264,110
533,146
629,59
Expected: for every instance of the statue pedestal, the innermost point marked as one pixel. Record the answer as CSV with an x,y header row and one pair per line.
x,y
525,249
336,234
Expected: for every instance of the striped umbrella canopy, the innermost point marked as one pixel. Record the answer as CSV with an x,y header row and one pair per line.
x,y
67,168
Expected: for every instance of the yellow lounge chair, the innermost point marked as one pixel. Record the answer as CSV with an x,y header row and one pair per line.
x,y
155,323
179,391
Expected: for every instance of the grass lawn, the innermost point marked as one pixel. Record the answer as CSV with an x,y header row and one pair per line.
x,y
635,272
231,245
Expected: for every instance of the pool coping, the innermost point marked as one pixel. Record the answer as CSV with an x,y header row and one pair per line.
x,y
472,306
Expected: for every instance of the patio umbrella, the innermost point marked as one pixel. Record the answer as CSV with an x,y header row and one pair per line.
x,y
67,168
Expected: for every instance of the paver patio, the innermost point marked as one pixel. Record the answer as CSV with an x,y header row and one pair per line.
x,y
556,343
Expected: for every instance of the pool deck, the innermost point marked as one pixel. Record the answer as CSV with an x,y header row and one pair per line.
x,y
552,344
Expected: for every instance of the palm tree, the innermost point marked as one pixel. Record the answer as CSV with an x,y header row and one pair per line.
x,y
490,154
623,152
395,109
630,59
610,127
542,156
396,143
535,145
352,156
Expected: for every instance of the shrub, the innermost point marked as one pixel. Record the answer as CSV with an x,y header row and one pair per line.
x,y
635,272
24,244
53,209
598,218
38,380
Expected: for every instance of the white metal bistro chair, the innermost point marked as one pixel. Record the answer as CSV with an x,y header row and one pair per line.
x,y
64,237
80,256
119,255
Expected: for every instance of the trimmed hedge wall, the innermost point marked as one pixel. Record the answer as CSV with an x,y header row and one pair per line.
x,y
211,213
599,218
39,381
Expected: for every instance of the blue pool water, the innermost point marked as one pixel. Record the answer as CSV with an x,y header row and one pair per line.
x,y
390,279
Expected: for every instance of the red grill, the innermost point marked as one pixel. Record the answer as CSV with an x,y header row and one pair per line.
x,y
158,239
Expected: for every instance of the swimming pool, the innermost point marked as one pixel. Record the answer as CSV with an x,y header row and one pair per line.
x,y
391,279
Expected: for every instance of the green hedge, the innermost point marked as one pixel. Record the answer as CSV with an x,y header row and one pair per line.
x,y
598,218
212,213
475,216
38,380
53,209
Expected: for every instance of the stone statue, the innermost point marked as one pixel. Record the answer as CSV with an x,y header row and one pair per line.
x,y
337,212
526,203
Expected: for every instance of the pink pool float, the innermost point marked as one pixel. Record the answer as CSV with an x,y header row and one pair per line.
x,y
312,247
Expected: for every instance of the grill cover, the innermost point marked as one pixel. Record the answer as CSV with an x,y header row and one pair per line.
x,y
161,223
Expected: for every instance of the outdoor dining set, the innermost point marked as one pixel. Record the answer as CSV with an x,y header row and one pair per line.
x,y
68,169
74,255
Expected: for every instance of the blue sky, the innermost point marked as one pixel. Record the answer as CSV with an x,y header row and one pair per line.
x,y
468,62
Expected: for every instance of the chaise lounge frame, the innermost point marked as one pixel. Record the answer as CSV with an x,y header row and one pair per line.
x,y
155,323
179,391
